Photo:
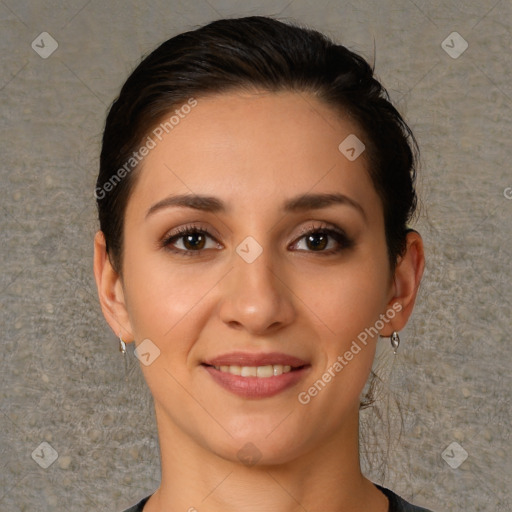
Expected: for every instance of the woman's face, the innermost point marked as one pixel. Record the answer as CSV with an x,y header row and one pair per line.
x,y
250,289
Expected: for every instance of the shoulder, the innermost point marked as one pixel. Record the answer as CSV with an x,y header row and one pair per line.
x,y
138,506
398,504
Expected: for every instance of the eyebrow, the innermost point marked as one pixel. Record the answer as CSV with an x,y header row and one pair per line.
x,y
296,204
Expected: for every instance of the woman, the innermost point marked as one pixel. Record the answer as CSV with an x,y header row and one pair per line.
x,y
254,192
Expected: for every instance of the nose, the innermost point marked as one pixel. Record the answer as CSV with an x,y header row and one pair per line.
x,y
256,297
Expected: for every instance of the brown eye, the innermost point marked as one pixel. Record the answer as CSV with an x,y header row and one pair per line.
x,y
192,239
317,240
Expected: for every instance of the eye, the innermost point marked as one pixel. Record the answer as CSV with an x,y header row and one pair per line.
x,y
192,238
316,239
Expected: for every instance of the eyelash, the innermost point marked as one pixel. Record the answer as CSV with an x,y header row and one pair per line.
x,y
344,242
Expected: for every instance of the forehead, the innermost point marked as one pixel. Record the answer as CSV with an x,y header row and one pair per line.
x,y
244,146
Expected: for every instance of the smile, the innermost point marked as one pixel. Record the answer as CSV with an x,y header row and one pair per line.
x,y
269,370
257,382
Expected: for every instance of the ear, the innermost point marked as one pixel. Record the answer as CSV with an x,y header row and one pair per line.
x,y
110,291
408,273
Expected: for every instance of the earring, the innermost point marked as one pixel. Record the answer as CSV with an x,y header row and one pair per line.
x,y
395,341
122,345
122,348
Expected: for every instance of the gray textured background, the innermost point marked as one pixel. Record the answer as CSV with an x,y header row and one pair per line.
x,y
62,377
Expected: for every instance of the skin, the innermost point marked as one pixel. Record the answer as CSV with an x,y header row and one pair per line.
x,y
253,151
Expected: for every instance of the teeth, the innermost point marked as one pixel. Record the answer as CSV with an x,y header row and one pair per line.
x,y
268,370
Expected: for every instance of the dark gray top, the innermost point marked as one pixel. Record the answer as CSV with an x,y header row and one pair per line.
x,y
396,503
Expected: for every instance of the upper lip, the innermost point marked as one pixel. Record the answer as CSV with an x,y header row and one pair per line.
x,y
248,359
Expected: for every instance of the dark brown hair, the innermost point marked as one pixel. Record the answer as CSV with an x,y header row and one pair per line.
x,y
255,53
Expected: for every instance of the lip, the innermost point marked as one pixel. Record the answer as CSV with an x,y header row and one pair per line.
x,y
256,387
248,359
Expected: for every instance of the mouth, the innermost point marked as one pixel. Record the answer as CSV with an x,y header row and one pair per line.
x,y
256,375
266,371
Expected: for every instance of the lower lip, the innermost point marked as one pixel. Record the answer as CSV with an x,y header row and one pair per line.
x,y
256,387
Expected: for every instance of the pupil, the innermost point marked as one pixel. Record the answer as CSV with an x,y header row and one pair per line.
x,y
320,245
190,238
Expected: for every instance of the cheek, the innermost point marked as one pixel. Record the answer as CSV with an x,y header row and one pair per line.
x,y
162,299
347,303
346,300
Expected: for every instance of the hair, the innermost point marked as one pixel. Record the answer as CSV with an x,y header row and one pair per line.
x,y
257,53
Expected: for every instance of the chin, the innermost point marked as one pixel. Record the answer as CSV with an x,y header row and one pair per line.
x,y
257,448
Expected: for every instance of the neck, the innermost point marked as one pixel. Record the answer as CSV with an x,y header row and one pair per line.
x,y
327,477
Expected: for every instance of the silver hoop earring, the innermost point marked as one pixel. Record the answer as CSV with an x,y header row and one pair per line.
x,y
395,341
